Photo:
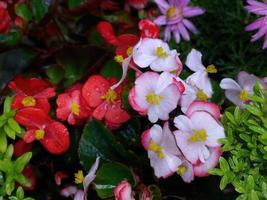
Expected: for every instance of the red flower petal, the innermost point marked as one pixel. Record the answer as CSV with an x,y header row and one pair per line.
x,y
115,114
107,32
32,87
28,172
56,139
32,118
63,109
94,88
59,176
100,111
21,147
30,136
124,42
149,29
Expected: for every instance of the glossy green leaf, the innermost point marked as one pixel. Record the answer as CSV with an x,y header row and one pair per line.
x,y
3,142
109,176
23,11
75,3
39,8
55,74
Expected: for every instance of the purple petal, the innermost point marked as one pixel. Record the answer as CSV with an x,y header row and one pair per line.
x,y
265,42
177,36
167,34
255,3
161,20
163,5
193,11
259,10
255,25
183,31
259,34
190,26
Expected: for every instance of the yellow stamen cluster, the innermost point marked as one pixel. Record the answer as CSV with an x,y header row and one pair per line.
x,y
79,177
129,51
212,69
75,108
156,149
28,101
201,95
198,136
154,99
243,95
39,134
181,170
119,59
110,96
171,12
161,53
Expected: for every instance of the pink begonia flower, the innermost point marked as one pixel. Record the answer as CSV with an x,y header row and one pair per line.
x,y
239,92
72,191
123,191
162,150
155,95
196,134
201,169
175,14
258,8
185,170
156,54
198,85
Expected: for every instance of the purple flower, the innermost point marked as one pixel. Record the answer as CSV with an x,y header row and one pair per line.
x,y
175,14
258,8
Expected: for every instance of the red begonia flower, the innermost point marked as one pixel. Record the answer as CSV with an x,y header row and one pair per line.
x,y
105,101
109,5
53,135
107,32
137,4
5,22
31,92
21,147
149,29
72,107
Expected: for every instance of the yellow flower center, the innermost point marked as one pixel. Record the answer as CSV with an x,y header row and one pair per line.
x,y
110,96
211,69
198,136
39,134
79,177
129,51
181,170
154,99
156,149
75,108
201,95
161,53
171,12
243,95
118,59
28,101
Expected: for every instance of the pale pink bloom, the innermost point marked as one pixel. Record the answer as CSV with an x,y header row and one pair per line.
x,y
185,170
156,54
201,169
162,150
74,192
199,78
240,91
155,95
196,134
123,191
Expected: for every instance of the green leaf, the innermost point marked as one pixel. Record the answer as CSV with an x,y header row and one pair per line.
x,y
230,117
97,140
55,74
23,11
224,164
254,110
22,161
111,69
3,142
22,180
250,183
20,193
10,185
75,3
109,176
10,132
39,8
254,195
14,125
224,182
7,104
